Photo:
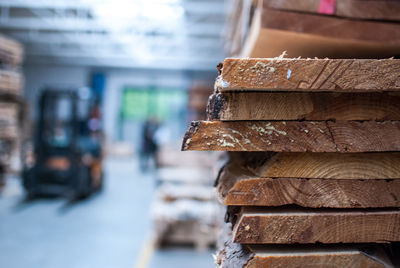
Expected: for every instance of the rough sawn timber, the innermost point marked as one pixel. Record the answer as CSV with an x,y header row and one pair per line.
x,y
309,75
236,186
293,136
331,27
361,166
360,9
234,255
234,106
304,226
316,257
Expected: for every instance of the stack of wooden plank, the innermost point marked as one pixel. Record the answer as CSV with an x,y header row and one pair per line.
x,y
11,52
314,172
315,28
11,103
185,210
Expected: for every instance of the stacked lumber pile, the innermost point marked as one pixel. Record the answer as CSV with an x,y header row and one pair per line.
x,y
185,211
314,172
314,28
11,104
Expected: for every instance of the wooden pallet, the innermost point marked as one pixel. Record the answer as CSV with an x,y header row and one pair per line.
x,y
11,52
11,82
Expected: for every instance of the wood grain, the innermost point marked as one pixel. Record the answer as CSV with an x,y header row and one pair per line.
x,y
361,166
332,27
297,40
309,75
293,136
269,226
269,43
360,9
314,193
231,255
313,258
303,106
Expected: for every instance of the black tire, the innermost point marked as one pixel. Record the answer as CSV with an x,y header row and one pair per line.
x,y
84,184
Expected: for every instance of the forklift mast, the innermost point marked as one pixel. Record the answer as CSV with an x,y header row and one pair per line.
x,y
67,148
57,129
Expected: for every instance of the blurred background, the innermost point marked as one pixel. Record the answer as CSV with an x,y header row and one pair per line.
x,y
95,97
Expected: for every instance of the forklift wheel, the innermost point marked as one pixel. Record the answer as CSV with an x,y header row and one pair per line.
x,y
99,187
84,184
30,195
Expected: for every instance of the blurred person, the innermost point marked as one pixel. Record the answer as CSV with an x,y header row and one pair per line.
x,y
162,138
149,146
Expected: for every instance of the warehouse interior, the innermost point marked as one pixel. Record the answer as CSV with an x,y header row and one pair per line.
x,y
140,58
99,99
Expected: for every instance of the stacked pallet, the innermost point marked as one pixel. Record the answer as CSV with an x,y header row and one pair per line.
x,y
315,28
11,104
185,210
314,172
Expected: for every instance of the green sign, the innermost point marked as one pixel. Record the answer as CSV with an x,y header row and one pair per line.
x,y
142,104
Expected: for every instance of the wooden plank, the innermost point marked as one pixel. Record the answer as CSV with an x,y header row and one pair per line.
x,y
9,133
232,255
309,75
293,136
11,82
362,166
356,9
269,43
8,114
333,27
315,257
279,226
303,106
236,186
11,51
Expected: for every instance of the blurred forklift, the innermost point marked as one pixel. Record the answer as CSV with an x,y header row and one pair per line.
x,y
67,149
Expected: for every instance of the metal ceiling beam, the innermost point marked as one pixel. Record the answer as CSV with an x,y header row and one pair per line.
x,y
79,24
71,4
211,43
195,44
112,52
195,7
160,63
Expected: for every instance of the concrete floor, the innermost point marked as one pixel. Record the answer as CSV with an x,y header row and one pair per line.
x,y
111,229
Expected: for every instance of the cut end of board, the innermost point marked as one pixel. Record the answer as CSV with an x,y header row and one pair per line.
x,y
293,136
189,134
215,106
232,254
309,75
